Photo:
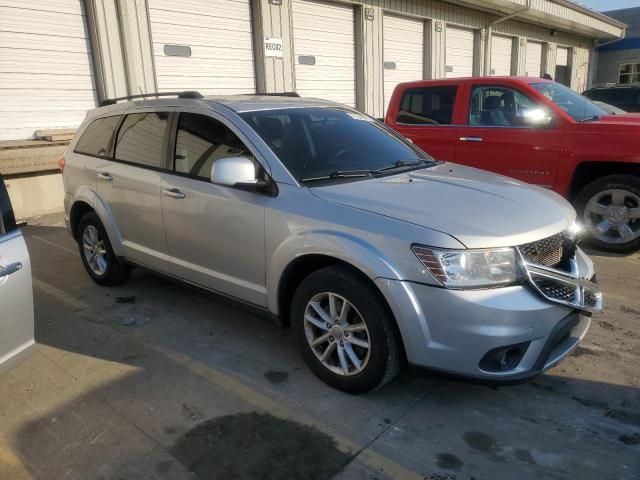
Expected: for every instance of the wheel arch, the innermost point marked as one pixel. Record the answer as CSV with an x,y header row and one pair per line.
x,y
587,172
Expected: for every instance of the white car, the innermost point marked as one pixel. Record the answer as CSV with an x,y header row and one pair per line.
x,y
16,295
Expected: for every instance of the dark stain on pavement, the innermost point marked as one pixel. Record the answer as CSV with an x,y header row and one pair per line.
x,y
591,403
191,413
275,376
630,310
484,443
622,416
580,351
524,456
259,446
630,439
449,461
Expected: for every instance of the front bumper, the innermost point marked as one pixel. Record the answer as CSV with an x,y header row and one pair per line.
x,y
454,330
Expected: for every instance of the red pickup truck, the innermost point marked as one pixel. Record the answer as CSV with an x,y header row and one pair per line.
x,y
537,131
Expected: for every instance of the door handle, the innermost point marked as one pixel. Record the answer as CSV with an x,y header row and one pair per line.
x,y
173,193
105,176
471,139
9,269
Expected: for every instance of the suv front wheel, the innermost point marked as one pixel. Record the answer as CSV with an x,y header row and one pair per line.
x,y
345,331
610,210
97,255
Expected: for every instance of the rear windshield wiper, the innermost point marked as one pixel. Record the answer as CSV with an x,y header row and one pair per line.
x,y
341,174
402,164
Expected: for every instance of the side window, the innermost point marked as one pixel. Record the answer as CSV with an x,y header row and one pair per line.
x,y
200,141
95,138
427,105
497,106
7,219
141,138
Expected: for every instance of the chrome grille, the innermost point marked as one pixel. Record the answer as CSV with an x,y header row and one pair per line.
x,y
555,289
547,252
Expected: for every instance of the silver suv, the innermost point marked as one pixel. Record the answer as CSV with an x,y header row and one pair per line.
x,y
372,251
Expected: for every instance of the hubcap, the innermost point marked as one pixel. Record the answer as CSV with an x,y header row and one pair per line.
x,y
337,333
613,216
94,250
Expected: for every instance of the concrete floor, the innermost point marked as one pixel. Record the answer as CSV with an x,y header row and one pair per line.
x,y
178,383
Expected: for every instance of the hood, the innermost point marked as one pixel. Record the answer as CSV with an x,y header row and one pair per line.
x,y
624,118
478,208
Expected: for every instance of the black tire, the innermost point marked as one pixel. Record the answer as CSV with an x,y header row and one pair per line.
x,y
385,348
628,183
115,272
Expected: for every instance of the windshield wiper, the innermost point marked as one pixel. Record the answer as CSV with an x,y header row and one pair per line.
x,y
402,164
341,174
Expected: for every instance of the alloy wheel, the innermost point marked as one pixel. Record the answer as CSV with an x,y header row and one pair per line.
x,y
613,216
337,334
95,252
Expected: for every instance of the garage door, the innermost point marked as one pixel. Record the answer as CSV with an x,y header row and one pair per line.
x,y
459,52
324,50
46,75
501,54
204,46
403,40
533,66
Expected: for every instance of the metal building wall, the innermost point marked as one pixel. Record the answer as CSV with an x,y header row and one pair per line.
x,y
277,74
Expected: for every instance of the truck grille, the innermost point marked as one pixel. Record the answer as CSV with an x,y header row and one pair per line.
x,y
556,290
547,252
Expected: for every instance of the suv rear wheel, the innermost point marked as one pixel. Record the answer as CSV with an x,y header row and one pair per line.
x,y
610,210
345,332
97,255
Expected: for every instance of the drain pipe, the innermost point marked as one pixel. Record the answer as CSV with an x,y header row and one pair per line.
x,y
488,32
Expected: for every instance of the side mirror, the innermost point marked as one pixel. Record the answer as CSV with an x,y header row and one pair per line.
x,y
239,172
535,117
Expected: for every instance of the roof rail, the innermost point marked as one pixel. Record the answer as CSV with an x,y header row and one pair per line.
x,y
277,94
185,94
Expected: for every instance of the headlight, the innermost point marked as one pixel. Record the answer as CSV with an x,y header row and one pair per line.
x,y
470,268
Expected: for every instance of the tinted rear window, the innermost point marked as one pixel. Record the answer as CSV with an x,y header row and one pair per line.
x,y
7,219
427,105
95,139
140,138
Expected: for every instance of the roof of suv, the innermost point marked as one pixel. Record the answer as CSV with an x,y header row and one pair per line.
x,y
238,103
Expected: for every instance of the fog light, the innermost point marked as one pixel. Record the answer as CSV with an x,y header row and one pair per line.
x,y
505,358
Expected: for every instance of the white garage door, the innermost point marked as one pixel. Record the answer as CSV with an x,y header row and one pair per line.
x,y
533,66
459,52
501,55
46,74
218,34
403,56
324,50
562,56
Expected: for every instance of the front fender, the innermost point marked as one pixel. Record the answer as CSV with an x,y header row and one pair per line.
x,y
348,248
90,197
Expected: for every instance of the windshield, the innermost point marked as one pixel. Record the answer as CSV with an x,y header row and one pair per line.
x,y
577,107
330,142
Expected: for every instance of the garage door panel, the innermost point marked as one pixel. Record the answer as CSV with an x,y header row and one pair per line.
x,y
501,55
46,74
403,46
324,31
459,46
219,35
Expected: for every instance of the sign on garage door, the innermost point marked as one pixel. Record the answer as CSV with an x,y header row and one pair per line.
x,y
403,53
533,66
501,55
324,50
459,52
219,57
46,76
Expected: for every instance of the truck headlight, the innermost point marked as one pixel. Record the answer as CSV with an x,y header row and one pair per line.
x,y
470,268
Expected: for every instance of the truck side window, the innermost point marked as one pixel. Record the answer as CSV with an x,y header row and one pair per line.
x,y
497,106
427,105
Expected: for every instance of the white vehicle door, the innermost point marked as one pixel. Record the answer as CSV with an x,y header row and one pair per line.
x,y
16,296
